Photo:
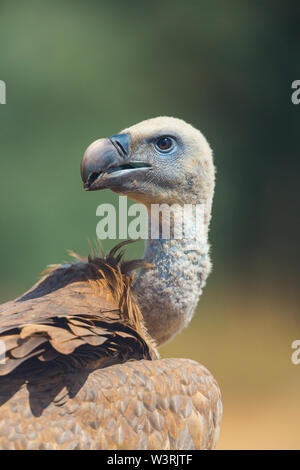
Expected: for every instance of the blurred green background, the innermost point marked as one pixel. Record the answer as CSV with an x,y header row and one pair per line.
x,y
77,71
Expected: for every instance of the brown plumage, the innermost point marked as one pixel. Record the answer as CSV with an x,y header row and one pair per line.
x,y
81,370
72,310
64,384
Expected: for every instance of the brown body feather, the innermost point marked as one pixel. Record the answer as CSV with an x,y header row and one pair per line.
x,y
162,404
64,384
81,371
83,311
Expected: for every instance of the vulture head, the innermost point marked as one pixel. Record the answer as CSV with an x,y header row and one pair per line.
x,y
160,160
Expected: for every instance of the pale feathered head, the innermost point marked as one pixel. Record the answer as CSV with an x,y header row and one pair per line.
x,y
160,160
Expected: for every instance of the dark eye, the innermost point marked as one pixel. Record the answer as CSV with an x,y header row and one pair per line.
x,y
164,144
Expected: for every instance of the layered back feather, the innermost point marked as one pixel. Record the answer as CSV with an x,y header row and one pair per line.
x,y
81,371
82,315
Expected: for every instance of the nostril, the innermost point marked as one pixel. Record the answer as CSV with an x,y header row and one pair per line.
x,y
120,149
123,151
121,142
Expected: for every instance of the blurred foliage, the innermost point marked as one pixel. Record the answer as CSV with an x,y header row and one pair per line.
x,y
77,71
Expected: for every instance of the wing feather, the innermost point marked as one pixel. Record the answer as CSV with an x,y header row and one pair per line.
x,y
136,405
88,304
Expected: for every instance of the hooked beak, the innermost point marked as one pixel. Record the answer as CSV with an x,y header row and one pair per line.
x,y
106,163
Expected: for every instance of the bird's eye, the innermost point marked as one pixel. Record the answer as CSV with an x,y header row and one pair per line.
x,y
164,144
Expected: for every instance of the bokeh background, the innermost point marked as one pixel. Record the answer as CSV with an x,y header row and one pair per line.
x,y
77,71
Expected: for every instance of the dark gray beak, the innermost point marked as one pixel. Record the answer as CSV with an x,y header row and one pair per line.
x,y
107,164
103,157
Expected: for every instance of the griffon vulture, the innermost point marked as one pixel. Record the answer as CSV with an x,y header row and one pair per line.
x,y
81,369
